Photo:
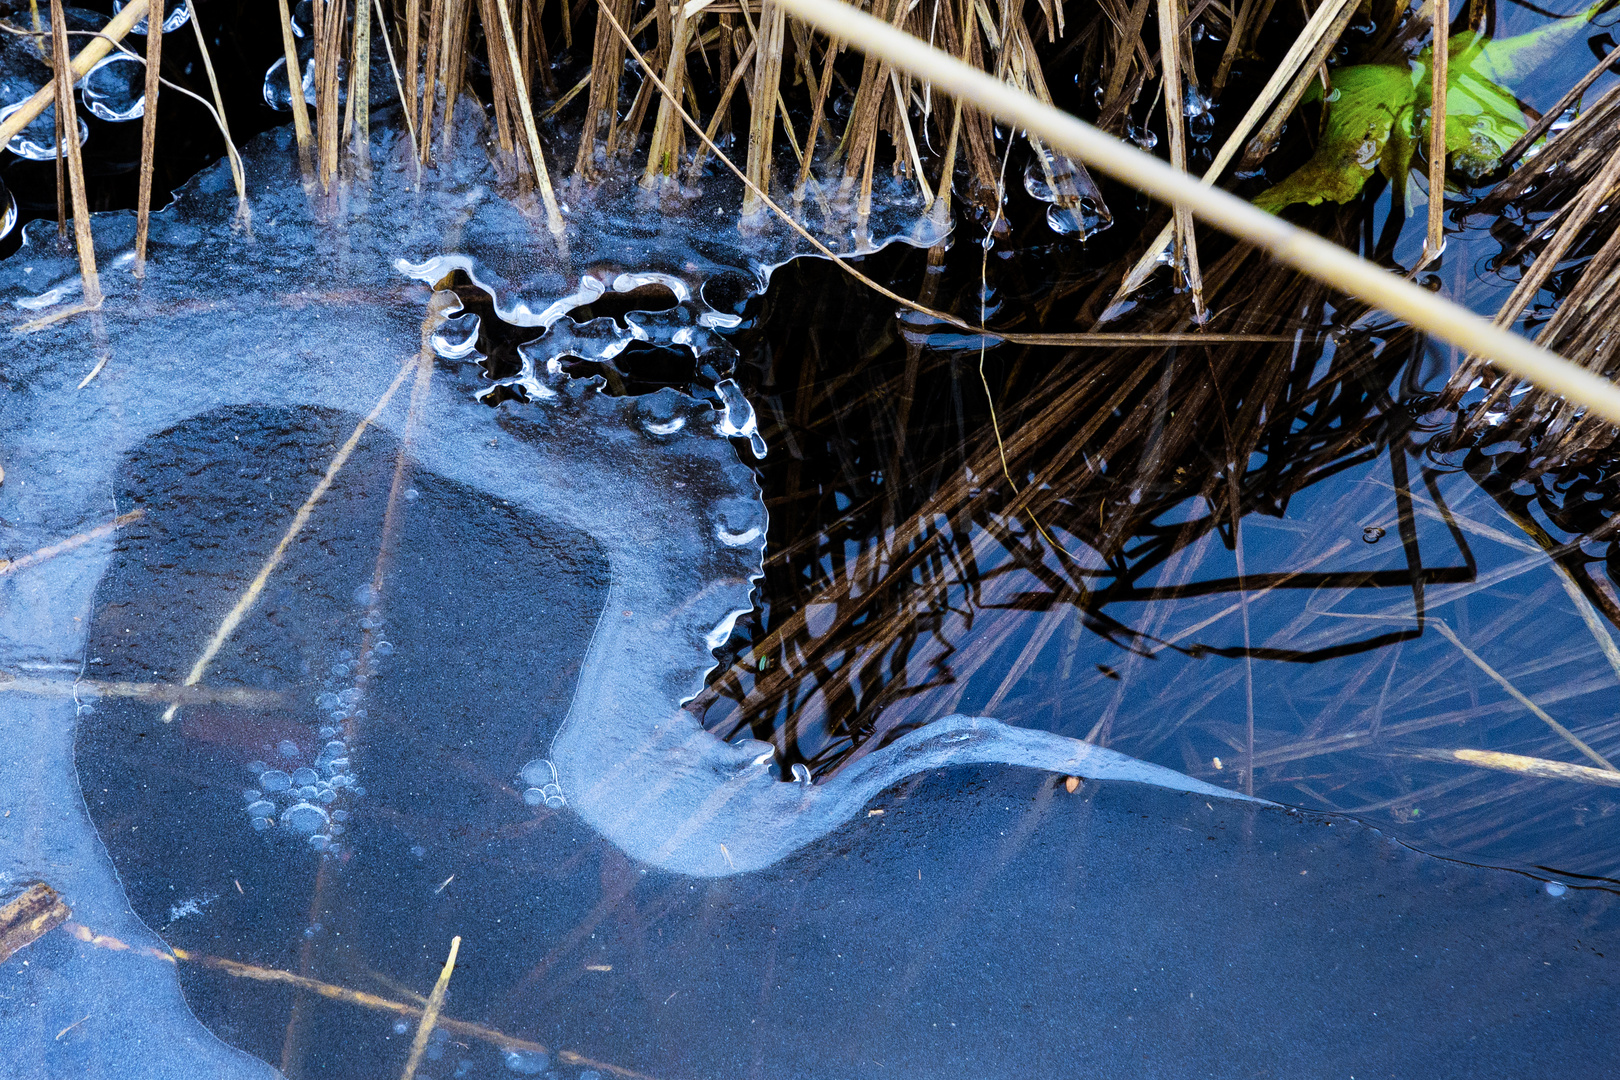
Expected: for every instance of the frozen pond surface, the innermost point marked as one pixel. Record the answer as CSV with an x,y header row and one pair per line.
x,y
448,702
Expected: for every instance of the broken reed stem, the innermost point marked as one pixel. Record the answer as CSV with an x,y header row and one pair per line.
x,y
35,913
98,47
1542,768
1435,241
1295,247
244,214
295,88
143,200
68,137
430,1015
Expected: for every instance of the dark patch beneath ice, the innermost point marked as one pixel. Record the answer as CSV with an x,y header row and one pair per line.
x,y
486,610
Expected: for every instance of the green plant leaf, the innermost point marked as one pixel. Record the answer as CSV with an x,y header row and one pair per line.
x,y
1373,102
1378,114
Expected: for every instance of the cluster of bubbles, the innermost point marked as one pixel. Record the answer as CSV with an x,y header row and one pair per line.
x,y
540,784
277,87
1074,206
537,1063
113,90
522,1061
303,798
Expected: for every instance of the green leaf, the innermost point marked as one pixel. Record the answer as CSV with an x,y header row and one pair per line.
x,y
1368,126
1378,114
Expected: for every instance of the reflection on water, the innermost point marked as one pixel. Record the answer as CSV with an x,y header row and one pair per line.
x,y
1331,648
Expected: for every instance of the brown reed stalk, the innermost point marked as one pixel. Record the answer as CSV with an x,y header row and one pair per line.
x,y
502,88
430,79
330,17
359,148
244,214
143,199
295,89
537,160
762,117
723,110
453,64
818,110
68,137
668,136
413,46
1435,240
1171,55
607,69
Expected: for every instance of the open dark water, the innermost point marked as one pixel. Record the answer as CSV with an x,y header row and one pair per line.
x,y
1415,918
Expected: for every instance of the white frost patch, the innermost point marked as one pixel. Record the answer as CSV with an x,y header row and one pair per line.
x,y
194,906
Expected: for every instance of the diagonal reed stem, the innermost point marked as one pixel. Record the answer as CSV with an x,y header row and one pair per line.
x,y
1295,247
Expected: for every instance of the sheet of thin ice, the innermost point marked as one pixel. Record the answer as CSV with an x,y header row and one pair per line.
x,y
312,319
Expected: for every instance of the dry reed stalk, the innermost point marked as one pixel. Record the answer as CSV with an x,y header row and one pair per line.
x,y
766,89
1185,260
860,130
61,168
1234,40
295,90
1540,713
1261,146
1302,56
1022,69
1540,128
430,78
818,112
244,215
607,69
143,198
537,160
1295,247
357,126
94,51
68,137
413,47
399,86
330,17
1435,240
1586,205
453,65
1127,43
502,89
668,141
250,595
1541,768
430,1014
722,110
